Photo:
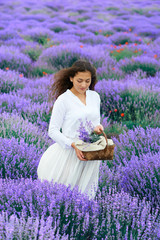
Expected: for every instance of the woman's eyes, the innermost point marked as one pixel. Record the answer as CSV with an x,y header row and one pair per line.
x,y
81,81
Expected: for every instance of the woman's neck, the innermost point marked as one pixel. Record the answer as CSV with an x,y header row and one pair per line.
x,y
77,93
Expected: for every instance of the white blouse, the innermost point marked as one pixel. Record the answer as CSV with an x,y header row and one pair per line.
x,y
66,112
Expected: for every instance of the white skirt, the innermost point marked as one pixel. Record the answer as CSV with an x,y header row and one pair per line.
x,y
62,165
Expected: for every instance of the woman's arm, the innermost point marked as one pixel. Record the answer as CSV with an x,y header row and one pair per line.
x,y
98,127
56,122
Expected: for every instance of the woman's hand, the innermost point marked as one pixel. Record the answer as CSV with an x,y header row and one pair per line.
x,y
78,153
98,129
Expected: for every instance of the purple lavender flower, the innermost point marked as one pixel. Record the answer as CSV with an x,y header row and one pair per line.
x,y
83,133
86,132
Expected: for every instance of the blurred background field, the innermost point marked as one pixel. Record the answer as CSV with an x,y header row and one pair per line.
x,y
122,40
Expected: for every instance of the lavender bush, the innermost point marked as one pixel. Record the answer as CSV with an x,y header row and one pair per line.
x,y
35,94
74,215
65,55
122,53
12,58
34,112
59,26
15,42
33,227
8,34
18,159
121,38
136,142
33,51
13,125
10,81
108,70
36,40
39,35
128,102
141,177
150,66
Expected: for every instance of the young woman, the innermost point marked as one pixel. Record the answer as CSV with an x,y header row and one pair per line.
x,y
63,162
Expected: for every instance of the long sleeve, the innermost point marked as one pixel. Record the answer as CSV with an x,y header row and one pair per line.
x,y
56,122
98,117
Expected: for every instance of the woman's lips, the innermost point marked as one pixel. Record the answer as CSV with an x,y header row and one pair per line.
x,y
82,89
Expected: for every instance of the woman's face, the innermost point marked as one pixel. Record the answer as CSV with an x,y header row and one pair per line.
x,y
81,81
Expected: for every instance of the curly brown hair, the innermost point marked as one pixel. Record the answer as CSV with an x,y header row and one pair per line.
x,y
61,81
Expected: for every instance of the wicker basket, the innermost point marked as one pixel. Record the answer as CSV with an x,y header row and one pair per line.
x,y
105,154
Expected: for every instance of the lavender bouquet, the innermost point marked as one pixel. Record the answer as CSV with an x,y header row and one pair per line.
x,y
86,132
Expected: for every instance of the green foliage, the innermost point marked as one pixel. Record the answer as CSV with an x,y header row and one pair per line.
x,y
82,19
80,11
109,75
115,129
112,8
4,104
66,58
39,71
122,40
15,64
107,33
126,53
53,8
149,68
139,108
96,33
145,33
58,29
139,11
41,38
70,21
93,137
27,8
152,120
33,53
51,43
38,115
8,86
104,33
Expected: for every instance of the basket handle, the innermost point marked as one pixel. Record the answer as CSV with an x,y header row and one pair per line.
x,y
105,137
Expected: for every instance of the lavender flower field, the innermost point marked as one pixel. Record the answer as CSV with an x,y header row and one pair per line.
x,y
122,40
